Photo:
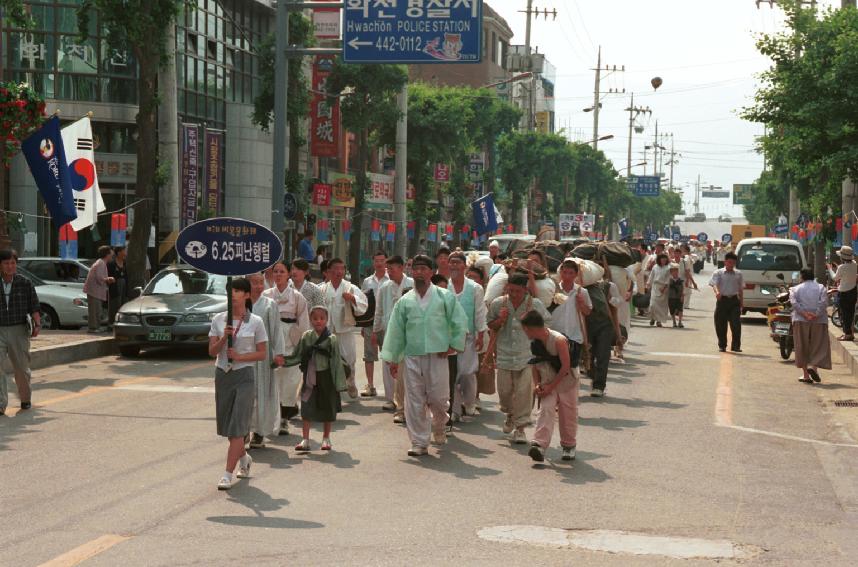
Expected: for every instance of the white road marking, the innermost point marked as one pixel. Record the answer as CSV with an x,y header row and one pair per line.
x,y
167,389
613,541
787,437
684,355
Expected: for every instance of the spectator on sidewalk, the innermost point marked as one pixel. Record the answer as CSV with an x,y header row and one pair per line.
x,y
18,301
96,288
305,247
845,277
810,327
117,291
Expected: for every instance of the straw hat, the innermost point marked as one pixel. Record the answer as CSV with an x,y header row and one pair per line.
x,y
845,253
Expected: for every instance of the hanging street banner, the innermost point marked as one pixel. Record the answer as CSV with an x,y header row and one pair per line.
x,y
743,193
46,156
228,246
214,166
326,23
324,111
644,185
485,219
190,160
416,31
80,156
380,196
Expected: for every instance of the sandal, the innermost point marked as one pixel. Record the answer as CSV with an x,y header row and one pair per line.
x,y
326,444
845,338
804,380
303,446
814,375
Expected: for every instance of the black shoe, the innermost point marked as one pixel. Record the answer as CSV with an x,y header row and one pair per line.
x,y
722,349
26,405
2,412
536,453
736,349
814,375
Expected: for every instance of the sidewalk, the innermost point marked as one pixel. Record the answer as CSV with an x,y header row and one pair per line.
x,y
846,351
62,347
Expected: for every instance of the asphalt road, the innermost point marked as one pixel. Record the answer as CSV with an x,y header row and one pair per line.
x,y
117,464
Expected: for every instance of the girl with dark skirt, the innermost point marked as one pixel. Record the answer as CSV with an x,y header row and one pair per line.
x,y
318,354
235,384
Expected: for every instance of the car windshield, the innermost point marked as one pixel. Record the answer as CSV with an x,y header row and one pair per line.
x,y
769,257
171,282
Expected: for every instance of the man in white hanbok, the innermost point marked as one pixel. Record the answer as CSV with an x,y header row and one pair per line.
x,y
388,294
294,320
265,421
344,301
426,326
470,296
370,347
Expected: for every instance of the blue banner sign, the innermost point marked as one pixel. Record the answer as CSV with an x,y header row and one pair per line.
x,y
702,237
644,185
485,220
415,31
653,236
727,238
228,246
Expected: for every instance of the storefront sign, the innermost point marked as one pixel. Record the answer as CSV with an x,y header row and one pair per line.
x,y
381,187
342,185
322,194
324,111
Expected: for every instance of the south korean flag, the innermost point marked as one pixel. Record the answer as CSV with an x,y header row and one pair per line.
x,y
80,155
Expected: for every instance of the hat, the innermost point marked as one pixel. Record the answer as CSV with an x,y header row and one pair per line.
x,y
494,243
674,266
845,252
423,260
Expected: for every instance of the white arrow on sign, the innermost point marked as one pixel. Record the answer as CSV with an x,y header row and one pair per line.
x,y
356,44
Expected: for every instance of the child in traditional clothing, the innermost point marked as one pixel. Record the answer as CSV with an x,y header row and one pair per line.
x,y
675,295
320,359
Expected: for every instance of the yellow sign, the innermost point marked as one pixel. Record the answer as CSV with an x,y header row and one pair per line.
x,y
542,124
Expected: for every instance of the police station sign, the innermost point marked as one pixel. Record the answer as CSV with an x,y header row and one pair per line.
x,y
228,246
412,31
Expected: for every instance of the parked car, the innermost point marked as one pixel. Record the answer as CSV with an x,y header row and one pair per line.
x,y
725,218
175,308
761,261
69,273
59,305
696,217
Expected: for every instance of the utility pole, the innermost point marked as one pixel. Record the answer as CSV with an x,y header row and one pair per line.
x,y
848,189
672,161
697,195
597,93
281,136
634,112
399,192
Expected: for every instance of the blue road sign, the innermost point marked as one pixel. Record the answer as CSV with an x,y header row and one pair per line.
x,y
702,237
644,185
290,206
684,239
727,238
653,236
412,32
228,246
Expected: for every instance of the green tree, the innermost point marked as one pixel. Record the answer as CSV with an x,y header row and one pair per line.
x,y
769,200
142,27
368,106
298,94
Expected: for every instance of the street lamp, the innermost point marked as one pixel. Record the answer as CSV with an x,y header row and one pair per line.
x,y
591,108
600,139
630,168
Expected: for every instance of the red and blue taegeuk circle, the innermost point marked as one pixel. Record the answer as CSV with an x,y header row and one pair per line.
x,y
82,174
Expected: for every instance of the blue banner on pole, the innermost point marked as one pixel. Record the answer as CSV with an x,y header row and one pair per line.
x,y
412,32
46,156
485,220
228,246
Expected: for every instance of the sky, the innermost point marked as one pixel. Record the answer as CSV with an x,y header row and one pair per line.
x,y
705,53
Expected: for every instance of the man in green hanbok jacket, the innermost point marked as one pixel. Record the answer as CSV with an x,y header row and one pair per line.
x,y
426,326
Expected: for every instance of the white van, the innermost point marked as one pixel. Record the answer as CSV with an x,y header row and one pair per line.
x,y
761,261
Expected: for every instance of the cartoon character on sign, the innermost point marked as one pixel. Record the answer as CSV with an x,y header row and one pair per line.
x,y
451,50
343,189
196,249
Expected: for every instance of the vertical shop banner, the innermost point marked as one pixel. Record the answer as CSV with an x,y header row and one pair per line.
x,y
190,160
322,194
324,111
68,242
214,168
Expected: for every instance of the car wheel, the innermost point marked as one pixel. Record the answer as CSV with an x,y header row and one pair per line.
x,y
131,351
49,317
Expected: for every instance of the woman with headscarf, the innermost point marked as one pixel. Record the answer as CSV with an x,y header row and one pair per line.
x,y
657,284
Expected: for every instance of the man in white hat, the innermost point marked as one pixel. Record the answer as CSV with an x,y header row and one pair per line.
x,y
845,278
494,249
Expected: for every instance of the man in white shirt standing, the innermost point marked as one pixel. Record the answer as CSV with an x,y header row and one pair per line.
x,y
344,301
566,317
370,287
388,294
471,297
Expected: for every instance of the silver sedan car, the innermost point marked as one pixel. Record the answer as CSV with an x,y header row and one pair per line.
x,y
175,308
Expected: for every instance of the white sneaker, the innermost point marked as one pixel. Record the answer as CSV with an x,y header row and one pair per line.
x,y
388,406
518,437
508,426
568,453
225,482
244,466
284,427
470,409
536,453
597,393
456,418
417,451
439,438
399,418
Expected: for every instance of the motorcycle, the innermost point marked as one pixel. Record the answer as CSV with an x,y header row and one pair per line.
x,y
779,317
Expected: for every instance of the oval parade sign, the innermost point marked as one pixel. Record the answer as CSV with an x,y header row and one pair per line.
x,y
228,246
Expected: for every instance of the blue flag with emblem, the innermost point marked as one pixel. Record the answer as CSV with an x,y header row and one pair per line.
x,y
485,219
624,227
46,156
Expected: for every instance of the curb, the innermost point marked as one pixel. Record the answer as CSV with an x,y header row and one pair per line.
x,y
847,351
71,352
